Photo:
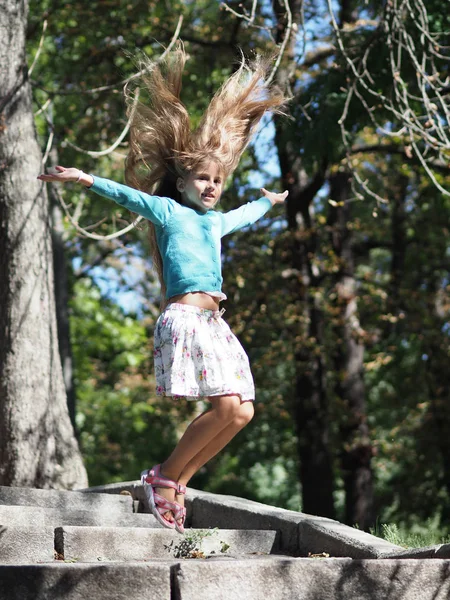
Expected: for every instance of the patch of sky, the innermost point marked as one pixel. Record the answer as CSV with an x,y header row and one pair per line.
x,y
119,289
127,287
322,197
266,153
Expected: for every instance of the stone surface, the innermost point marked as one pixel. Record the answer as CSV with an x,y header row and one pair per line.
x,y
300,534
213,510
24,516
26,544
339,540
112,488
65,500
37,515
309,579
85,582
438,551
280,579
126,544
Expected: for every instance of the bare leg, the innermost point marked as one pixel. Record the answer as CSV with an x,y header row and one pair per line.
x,y
200,433
197,436
243,417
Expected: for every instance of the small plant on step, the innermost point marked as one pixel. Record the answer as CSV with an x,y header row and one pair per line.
x,y
190,546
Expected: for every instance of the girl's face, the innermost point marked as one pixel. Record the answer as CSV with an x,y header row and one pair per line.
x,y
202,188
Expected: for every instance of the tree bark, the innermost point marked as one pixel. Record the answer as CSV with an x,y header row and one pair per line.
x,y
310,404
37,442
399,246
356,453
60,268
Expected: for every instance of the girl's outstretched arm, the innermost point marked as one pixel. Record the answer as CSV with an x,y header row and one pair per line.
x,y
64,175
273,197
155,209
249,213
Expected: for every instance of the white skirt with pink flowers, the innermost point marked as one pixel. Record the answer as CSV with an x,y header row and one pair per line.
x,y
197,356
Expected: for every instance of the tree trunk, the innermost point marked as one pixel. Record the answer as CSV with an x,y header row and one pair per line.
x,y
37,443
356,454
61,279
438,381
60,269
310,404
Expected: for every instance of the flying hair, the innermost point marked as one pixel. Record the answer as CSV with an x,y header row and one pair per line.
x,y
163,145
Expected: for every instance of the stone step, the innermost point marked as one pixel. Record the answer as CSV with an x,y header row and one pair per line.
x,y
125,544
57,517
62,581
300,534
65,500
274,578
312,579
26,544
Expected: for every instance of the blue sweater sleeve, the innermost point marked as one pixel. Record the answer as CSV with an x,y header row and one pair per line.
x,y
154,208
244,215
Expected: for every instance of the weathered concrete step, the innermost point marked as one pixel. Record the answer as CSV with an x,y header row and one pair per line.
x,y
125,544
65,500
61,581
300,533
257,579
312,579
26,544
57,517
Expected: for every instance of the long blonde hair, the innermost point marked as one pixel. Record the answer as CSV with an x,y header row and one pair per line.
x,y
162,145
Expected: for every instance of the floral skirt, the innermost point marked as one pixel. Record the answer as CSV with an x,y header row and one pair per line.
x,y
197,356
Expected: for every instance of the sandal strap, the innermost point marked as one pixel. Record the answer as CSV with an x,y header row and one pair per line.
x,y
180,512
155,479
162,504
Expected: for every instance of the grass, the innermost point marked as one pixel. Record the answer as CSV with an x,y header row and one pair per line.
x,y
426,536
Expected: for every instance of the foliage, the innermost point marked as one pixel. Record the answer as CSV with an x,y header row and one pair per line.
x,y
428,535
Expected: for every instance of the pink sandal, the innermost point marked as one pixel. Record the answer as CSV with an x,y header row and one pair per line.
x,y
159,505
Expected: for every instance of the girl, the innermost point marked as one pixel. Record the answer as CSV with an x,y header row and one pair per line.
x,y
176,178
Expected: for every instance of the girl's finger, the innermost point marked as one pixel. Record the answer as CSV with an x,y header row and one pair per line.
x,y
60,169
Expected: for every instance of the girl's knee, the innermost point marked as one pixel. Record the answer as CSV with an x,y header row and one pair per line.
x,y
227,408
245,414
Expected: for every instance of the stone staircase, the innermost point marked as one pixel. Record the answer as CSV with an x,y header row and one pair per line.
x,y
98,544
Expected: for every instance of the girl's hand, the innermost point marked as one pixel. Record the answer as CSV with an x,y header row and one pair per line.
x,y
63,175
274,198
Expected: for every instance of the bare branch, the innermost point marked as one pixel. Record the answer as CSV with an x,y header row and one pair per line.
x,y
119,140
74,221
419,111
94,236
287,35
38,52
123,82
250,19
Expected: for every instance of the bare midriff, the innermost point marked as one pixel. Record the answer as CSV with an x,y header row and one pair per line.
x,y
200,299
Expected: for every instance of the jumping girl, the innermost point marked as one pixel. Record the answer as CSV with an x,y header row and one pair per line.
x,y
176,177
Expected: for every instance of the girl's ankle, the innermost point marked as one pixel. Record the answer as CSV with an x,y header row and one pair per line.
x,y
166,473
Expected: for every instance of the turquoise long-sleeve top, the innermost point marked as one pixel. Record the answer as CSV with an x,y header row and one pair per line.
x,y
189,241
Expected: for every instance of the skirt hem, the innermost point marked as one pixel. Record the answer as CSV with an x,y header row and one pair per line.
x,y
205,397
